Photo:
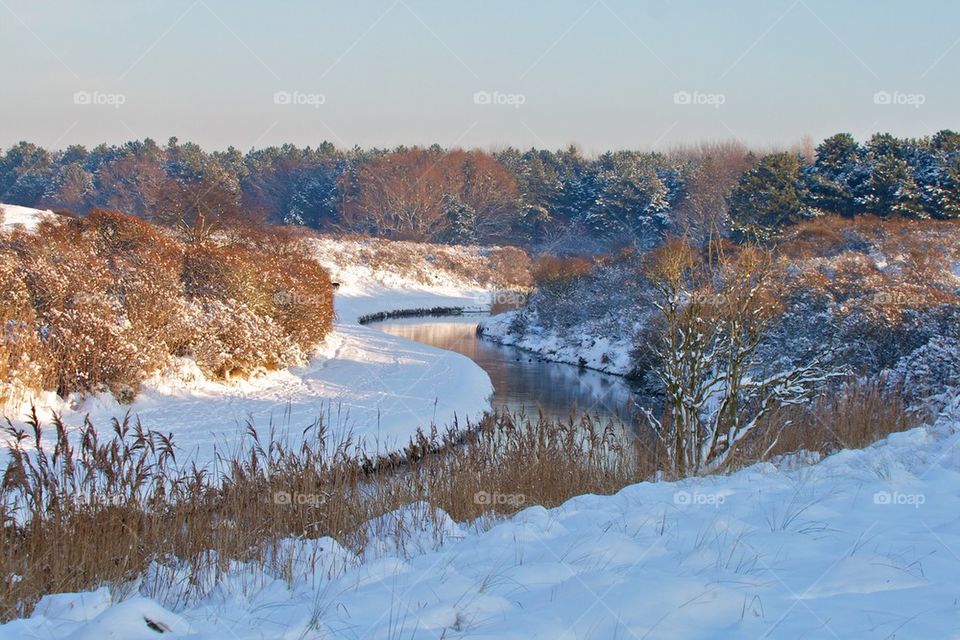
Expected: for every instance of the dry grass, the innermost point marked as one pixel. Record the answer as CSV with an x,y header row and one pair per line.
x,y
104,511
850,418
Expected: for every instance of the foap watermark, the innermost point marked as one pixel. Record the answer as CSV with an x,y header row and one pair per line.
x,y
101,500
897,498
696,498
299,99
501,298
286,298
99,99
497,98
699,98
486,498
899,298
296,499
80,299
703,298
899,98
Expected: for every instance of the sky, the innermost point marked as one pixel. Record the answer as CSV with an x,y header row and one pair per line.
x,y
601,74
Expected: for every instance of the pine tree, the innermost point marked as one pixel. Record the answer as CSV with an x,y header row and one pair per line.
x,y
891,188
768,196
461,220
630,200
835,182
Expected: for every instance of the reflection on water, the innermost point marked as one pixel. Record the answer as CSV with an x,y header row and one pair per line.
x,y
520,380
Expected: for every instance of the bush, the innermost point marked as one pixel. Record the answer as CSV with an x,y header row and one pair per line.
x,y
549,268
100,302
511,267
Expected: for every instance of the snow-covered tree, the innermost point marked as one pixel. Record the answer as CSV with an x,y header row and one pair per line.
x,y
630,199
714,314
835,182
768,196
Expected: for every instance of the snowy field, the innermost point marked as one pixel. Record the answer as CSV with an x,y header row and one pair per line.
x,y
375,388
863,544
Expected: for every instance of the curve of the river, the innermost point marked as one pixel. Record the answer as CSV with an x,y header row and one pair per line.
x,y
521,380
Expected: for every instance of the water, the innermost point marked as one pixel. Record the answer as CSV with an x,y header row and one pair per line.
x,y
522,381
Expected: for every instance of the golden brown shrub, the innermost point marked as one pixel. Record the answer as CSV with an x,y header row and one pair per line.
x,y
548,268
101,302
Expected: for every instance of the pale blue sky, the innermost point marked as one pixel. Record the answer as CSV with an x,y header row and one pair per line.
x,y
600,74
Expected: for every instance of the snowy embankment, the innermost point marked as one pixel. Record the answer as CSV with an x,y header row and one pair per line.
x,y
580,346
13,216
374,388
863,544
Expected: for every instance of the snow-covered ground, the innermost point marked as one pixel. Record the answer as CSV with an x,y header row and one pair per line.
x,y
580,346
13,216
377,388
863,544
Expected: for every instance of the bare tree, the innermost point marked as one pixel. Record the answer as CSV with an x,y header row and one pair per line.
x,y
413,194
715,313
201,208
716,169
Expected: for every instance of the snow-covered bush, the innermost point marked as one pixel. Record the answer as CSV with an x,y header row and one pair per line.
x,y
930,371
236,340
101,302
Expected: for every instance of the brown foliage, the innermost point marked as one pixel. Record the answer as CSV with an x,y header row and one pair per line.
x,y
407,194
853,417
102,301
717,168
549,268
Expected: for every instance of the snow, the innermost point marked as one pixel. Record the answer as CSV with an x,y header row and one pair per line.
x,y
863,544
24,217
581,346
376,388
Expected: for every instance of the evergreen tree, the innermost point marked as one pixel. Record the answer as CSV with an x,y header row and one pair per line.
x,y
462,220
835,182
891,187
768,196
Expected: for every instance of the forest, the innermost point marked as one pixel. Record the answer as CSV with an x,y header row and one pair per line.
x,y
562,201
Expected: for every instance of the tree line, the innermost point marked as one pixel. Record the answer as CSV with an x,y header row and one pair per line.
x,y
541,198
916,178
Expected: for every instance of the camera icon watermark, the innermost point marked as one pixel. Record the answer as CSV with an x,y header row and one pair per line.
x,y
500,298
896,498
299,99
99,99
497,98
699,98
698,499
485,498
295,499
898,98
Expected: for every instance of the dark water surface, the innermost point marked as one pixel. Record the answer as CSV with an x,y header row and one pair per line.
x,y
521,381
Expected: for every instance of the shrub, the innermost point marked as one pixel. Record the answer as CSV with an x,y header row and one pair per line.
x,y
102,301
549,268
511,267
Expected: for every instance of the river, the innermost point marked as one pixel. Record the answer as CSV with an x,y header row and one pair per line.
x,y
521,380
